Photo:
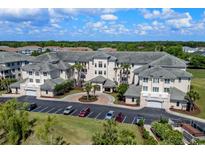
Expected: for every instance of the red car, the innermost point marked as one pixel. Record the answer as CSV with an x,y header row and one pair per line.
x,y
84,112
120,117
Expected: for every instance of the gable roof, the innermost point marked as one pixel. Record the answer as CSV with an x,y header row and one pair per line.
x,y
50,84
133,91
6,57
109,84
176,94
98,79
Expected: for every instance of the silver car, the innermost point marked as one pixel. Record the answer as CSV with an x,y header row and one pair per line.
x,y
68,110
109,115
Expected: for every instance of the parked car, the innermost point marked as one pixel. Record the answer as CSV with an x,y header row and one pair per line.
x,y
120,117
68,110
84,112
109,115
32,106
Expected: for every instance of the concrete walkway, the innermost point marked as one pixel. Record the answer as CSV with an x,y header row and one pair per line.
x,y
185,116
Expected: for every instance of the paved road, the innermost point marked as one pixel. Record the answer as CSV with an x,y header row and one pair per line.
x,y
99,111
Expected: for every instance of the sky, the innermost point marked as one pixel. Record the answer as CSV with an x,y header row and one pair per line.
x,y
102,24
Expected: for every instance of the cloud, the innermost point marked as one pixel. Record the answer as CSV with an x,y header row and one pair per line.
x,y
108,17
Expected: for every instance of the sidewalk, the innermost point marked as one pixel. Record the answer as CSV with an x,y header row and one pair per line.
x,y
185,116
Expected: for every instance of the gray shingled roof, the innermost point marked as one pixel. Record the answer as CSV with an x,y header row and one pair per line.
x,y
109,84
6,57
176,94
50,84
179,73
169,61
140,69
157,72
42,67
17,84
133,91
100,55
98,79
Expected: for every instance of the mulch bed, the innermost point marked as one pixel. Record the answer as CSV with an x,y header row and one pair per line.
x,y
91,99
194,112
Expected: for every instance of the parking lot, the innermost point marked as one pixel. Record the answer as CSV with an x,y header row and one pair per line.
x,y
94,114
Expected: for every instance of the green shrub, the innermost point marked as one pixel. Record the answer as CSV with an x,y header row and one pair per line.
x,y
145,134
150,141
141,123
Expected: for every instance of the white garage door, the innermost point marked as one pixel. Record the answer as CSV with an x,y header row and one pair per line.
x,y
154,104
31,92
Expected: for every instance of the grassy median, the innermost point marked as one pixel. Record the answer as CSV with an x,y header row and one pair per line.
x,y
77,130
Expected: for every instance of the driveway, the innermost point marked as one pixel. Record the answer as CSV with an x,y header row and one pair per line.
x,y
99,111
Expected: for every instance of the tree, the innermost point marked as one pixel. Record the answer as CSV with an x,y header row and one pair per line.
x,y
125,68
15,124
94,88
79,67
45,132
5,83
112,135
88,86
121,89
192,96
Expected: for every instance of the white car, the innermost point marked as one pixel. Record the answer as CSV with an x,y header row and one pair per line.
x,y
68,110
109,115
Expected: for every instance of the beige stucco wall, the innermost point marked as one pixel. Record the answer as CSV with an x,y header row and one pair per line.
x,y
50,94
128,100
184,85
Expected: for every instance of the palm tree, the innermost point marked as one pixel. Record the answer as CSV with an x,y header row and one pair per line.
x,y
192,96
79,67
94,88
88,87
125,70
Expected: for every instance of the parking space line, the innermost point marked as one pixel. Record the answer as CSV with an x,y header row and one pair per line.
x,y
51,109
124,119
37,108
90,114
98,115
58,110
133,120
74,111
43,109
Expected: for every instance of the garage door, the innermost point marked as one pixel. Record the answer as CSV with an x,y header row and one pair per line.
x,y
31,92
154,104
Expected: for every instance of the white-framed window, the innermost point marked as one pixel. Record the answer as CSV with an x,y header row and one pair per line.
x,y
104,65
155,89
100,64
44,73
95,64
155,80
37,73
180,80
30,80
133,99
30,73
46,91
37,80
145,88
104,72
145,79
100,72
95,72
166,90
167,81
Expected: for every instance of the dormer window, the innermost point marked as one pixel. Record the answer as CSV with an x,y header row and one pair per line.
x,y
167,81
100,64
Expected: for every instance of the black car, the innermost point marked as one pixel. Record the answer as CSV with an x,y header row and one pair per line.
x,y
32,106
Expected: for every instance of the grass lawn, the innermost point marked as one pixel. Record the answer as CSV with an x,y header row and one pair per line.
x,y
74,91
198,82
77,130
2,92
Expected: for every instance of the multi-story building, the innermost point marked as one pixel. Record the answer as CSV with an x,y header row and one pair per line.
x,y
11,64
28,50
156,79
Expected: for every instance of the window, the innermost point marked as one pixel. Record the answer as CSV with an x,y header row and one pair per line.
x,y
145,88
180,80
46,91
132,65
8,64
31,80
37,73
19,69
155,89
177,103
95,65
167,81
12,64
155,80
95,72
37,80
44,74
104,65
166,90
100,72
100,64
104,72
30,73
145,79
18,63
133,99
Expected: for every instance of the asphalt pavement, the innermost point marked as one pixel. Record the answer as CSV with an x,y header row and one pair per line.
x,y
99,111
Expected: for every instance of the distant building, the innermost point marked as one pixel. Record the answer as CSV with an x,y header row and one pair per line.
x,y
189,49
28,50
